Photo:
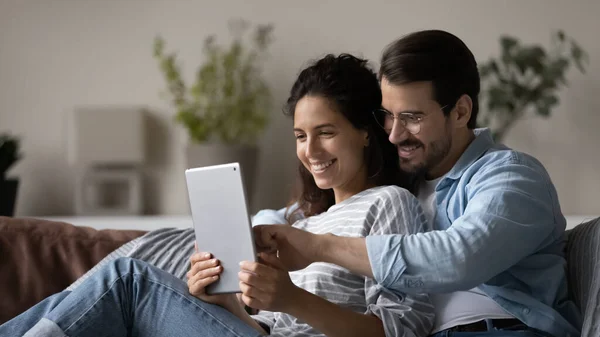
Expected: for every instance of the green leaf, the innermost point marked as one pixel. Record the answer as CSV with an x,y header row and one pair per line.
x,y
508,43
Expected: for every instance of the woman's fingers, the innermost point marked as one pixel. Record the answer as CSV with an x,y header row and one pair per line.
x,y
203,265
271,260
201,256
196,286
251,291
256,268
253,302
205,269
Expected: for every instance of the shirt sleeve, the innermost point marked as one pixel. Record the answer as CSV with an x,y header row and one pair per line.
x,y
509,205
274,217
402,315
266,319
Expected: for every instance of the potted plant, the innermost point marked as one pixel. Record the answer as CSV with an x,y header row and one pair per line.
x,y
227,106
9,155
525,78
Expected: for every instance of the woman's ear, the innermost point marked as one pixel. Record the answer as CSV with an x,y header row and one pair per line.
x,y
366,138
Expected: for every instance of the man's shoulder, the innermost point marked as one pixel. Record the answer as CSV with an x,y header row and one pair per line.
x,y
503,158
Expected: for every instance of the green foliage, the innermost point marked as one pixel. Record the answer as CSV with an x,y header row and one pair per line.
x,y
9,153
525,78
228,101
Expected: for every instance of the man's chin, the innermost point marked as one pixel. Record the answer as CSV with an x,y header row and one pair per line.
x,y
411,166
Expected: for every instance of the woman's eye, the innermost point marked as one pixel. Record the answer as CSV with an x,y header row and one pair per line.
x,y
326,133
300,137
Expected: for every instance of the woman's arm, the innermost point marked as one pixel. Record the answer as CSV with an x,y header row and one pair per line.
x,y
237,308
267,286
333,320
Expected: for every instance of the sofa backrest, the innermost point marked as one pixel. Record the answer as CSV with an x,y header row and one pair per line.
x,y
583,264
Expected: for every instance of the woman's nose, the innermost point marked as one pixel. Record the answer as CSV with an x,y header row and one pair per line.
x,y
313,147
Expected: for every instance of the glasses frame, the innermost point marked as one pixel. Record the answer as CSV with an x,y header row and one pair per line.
x,y
404,122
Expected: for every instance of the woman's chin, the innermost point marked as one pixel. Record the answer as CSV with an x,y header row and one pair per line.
x,y
323,184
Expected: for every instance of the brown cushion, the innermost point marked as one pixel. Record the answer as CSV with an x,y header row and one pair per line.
x,y
39,258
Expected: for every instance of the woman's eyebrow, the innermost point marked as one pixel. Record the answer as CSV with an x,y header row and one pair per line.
x,y
320,126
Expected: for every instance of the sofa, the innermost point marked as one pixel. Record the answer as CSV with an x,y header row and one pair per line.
x,y
39,258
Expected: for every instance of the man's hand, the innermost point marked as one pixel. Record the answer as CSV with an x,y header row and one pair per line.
x,y
296,248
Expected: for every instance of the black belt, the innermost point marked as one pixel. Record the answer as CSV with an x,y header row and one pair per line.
x,y
505,323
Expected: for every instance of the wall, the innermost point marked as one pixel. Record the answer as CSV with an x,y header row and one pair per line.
x,y
55,55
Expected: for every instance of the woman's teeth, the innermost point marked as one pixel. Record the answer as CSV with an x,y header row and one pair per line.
x,y
321,166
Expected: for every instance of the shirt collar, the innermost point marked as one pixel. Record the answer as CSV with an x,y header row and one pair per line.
x,y
481,144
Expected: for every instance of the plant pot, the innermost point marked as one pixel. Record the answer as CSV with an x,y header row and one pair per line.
x,y
8,196
198,155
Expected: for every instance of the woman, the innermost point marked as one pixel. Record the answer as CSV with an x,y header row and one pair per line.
x,y
349,186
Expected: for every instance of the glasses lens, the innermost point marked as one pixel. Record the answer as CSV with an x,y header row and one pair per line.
x,y
411,123
384,119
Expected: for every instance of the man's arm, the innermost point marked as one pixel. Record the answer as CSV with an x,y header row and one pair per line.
x,y
509,216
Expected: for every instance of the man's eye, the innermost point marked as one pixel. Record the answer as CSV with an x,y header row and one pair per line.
x,y
411,118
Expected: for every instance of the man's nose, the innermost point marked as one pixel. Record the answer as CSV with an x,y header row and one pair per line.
x,y
398,133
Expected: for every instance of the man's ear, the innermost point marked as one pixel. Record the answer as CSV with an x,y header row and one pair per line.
x,y
462,111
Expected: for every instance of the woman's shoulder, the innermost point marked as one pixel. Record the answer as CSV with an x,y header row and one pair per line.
x,y
391,193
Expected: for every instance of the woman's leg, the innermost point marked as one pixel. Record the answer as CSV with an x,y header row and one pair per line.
x,y
18,325
133,298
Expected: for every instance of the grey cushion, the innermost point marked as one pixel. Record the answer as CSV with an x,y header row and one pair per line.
x,y
583,263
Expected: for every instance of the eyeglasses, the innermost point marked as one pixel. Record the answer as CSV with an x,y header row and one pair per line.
x,y
410,121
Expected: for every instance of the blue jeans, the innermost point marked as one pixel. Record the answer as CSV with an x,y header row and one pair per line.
x,y
133,298
20,324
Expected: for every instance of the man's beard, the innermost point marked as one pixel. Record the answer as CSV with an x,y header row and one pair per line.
x,y
438,150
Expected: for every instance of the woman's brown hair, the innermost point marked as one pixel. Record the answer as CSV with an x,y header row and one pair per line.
x,y
353,89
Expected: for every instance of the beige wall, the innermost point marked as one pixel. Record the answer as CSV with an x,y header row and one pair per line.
x,y
58,54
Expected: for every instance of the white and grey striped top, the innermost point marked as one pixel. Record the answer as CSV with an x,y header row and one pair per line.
x,y
379,210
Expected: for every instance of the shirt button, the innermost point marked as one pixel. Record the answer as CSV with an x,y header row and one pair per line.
x,y
526,311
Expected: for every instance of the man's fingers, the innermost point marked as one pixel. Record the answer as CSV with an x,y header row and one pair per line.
x,y
263,238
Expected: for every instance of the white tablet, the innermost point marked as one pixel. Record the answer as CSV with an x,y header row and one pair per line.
x,y
221,220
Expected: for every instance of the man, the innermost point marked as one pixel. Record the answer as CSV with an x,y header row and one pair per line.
x,y
495,260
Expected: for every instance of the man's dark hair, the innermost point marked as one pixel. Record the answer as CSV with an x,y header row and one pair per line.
x,y
352,89
439,57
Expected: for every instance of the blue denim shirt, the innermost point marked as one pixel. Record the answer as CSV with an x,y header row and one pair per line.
x,y
498,226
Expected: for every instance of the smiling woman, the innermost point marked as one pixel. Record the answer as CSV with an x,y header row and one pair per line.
x,y
339,143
